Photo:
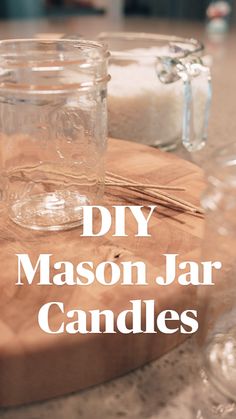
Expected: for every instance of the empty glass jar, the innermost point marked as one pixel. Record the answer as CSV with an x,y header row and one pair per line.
x,y
53,121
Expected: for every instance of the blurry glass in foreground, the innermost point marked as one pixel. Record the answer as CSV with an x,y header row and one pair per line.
x,y
215,392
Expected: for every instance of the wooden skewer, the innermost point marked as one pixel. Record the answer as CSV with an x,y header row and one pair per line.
x,y
160,195
170,200
112,177
153,192
110,181
145,186
163,202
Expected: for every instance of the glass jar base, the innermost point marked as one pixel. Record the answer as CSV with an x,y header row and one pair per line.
x,y
57,211
166,147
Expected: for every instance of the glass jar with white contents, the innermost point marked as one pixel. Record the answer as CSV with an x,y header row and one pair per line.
x,y
160,90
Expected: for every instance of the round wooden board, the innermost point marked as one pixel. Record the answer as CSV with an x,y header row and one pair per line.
x,y
35,365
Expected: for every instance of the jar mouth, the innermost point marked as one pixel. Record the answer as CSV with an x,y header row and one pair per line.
x,y
122,44
46,65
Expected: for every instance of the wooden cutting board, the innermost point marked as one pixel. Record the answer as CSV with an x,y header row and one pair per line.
x,y
35,365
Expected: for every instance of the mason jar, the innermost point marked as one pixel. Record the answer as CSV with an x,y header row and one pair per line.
x,y
53,130
160,90
215,392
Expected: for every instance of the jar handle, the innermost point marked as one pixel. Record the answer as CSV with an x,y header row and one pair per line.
x,y
170,70
195,139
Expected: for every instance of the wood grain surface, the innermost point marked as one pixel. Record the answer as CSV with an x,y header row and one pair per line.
x,y
35,365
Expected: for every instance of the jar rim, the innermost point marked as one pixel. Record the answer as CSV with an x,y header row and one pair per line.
x,y
50,41
197,45
39,56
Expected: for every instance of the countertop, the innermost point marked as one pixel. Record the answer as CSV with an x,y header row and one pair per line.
x,y
162,389
159,390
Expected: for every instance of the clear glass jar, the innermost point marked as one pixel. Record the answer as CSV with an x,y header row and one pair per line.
x,y
160,91
53,129
216,390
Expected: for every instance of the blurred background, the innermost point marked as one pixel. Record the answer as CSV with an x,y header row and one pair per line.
x,y
182,9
